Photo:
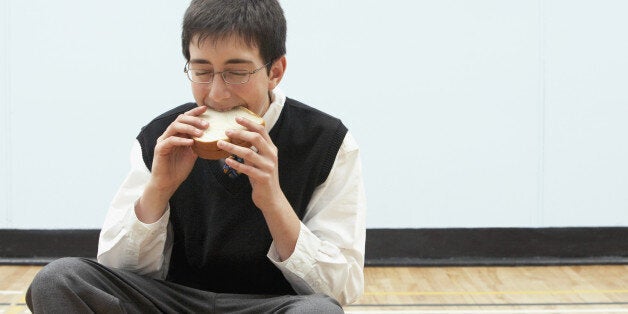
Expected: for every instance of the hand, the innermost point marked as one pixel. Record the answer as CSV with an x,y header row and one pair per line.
x,y
261,166
260,163
173,158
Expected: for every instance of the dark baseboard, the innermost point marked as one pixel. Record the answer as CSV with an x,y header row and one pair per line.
x,y
39,247
390,247
497,246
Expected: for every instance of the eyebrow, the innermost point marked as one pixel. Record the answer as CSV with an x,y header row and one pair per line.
x,y
230,61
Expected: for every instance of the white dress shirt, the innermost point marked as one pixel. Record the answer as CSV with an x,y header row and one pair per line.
x,y
329,253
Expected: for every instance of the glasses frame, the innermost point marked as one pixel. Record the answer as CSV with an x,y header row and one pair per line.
x,y
186,70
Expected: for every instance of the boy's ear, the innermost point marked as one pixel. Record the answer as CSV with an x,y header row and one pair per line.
x,y
277,69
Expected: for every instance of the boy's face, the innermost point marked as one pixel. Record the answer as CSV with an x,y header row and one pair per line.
x,y
232,54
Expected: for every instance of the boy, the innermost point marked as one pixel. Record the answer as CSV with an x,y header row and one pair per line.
x,y
284,231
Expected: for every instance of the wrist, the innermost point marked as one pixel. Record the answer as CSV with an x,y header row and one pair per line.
x,y
274,204
152,204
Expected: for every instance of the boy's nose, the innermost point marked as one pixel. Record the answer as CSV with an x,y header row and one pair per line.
x,y
219,90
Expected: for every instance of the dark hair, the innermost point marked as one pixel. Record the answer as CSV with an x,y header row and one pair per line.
x,y
259,23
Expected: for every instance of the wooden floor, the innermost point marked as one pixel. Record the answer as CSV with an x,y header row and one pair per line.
x,y
564,289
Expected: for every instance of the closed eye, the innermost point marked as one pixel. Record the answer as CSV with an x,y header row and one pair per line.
x,y
201,72
238,73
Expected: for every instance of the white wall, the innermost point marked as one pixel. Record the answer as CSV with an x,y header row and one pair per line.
x,y
469,113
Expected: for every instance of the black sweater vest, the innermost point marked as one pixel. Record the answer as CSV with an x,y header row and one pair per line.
x,y
220,238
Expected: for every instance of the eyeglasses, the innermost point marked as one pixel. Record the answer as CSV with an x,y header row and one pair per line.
x,y
230,77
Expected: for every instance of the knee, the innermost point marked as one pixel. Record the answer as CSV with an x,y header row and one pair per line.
x,y
317,303
57,273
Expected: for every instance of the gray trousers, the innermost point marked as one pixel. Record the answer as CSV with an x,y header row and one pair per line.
x,y
77,285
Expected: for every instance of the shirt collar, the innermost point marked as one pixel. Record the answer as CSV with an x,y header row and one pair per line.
x,y
278,98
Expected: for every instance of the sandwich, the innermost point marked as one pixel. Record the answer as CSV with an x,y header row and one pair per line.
x,y
206,145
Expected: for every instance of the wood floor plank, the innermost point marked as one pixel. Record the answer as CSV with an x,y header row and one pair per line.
x,y
496,287
579,289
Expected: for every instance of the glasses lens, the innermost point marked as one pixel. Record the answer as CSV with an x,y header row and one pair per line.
x,y
236,77
200,75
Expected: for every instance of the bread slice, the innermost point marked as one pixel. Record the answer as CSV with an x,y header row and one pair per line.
x,y
206,146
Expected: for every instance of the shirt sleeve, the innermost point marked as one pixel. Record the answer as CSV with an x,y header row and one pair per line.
x,y
329,254
127,243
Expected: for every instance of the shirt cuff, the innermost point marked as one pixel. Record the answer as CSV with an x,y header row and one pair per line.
x,y
138,255
302,261
158,226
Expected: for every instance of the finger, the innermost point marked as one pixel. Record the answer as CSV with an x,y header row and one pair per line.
x,y
254,127
195,121
250,157
166,145
245,153
188,124
190,117
182,130
258,140
196,111
253,173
